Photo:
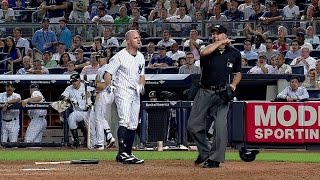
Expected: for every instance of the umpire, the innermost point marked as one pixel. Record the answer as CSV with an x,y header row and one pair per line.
x,y
218,61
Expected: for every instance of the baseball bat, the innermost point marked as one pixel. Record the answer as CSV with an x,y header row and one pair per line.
x,y
81,161
85,78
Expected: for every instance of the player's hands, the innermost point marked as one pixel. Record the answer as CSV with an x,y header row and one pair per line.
x,y
4,107
110,89
140,89
227,41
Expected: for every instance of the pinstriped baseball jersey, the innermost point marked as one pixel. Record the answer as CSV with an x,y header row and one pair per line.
x,y
126,69
13,113
37,112
101,72
78,95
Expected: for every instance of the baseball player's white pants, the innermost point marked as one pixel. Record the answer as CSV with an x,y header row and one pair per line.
x,y
35,130
10,130
128,106
102,111
86,116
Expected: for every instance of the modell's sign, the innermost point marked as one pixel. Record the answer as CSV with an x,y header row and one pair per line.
x,y
273,122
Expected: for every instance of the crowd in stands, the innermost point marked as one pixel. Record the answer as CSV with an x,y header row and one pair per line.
x,y
54,48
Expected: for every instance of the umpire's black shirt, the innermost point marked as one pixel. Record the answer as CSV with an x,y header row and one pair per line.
x,y
217,66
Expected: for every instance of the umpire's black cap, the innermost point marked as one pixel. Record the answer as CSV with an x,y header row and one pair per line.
x,y
74,77
34,86
11,83
219,28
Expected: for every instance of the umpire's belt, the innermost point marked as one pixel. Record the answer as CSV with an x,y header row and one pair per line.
x,y
8,120
34,117
214,88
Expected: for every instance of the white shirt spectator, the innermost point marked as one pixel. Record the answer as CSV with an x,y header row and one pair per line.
x,y
166,43
22,42
261,49
291,13
310,60
175,56
258,70
300,93
106,18
180,26
284,69
10,13
313,40
110,42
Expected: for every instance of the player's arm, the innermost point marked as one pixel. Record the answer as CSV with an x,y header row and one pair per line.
x,y
100,85
142,80
33,99
107,79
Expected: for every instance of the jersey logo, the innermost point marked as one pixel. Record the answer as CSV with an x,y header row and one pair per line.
x,y
140,68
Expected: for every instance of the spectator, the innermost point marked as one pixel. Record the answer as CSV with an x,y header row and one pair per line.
x,y
274,61
247,52
93,8
123,18
282,43
19,41
79,13
107,39
37,68
150,54
198,22
113,8
189,68
281,67
293,92
173,10
135,26
258,11
175,54
234,14
311,37
55,11
182,20
311,80
217,16
225,5
261,66
156,12
26,62
6,13
70,68
77,44
302,42
315,4
13,3
102,16
307,19
64,60
13,53
194,43
250,33
81,61
61,49
246,8
136,17
305,60
44,39
160,22
133,4
294,51
244,61
166,40
291,11
162,60
274,14
109,54
47,62
258,45
182,61
93,67
20,12
318,69
197,6
97,46
65,35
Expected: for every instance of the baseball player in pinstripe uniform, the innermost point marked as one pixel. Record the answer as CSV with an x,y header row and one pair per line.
x,y
10,118
126,69
81,114
38,122
102,107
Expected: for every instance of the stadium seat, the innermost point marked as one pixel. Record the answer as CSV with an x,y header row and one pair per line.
x,y
315,53
297,69
238,46
57,70
245,69
169,70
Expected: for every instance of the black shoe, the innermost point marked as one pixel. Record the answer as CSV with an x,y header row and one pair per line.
x,y
199,160
76,143
123,157
133,160
211,164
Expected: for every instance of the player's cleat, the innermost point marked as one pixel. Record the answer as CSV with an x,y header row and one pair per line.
x,y
110,142
76,143
211,164
133,160
199,160
98,147
123,157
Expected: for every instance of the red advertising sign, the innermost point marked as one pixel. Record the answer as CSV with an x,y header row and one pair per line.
x,y
275,122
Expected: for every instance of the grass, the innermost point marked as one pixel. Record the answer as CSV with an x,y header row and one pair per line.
x,y
56,155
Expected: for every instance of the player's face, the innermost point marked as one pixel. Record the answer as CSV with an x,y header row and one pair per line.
x,y
76,84
102,61
9,89
135,40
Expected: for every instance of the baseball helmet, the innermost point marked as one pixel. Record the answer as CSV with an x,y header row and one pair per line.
x,y
11,83
34,86
74,77
247,155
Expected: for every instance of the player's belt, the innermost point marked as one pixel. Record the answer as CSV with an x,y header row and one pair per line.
x,y
8,120
34,117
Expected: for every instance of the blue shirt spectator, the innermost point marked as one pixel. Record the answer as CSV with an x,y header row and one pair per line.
x,y
162,60
12,3
57,12
65,35
43,39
